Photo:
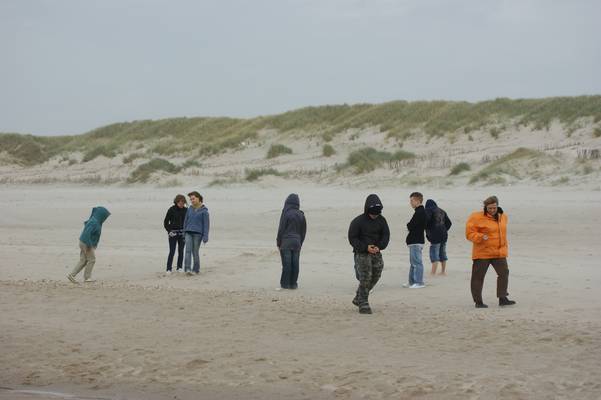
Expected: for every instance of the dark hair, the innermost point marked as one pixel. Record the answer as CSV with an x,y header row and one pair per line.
x,y
417,195
491,200
195,194
178,198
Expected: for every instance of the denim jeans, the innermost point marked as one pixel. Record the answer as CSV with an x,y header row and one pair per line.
x,y
290,268
174,241
438,252
192,251
416,270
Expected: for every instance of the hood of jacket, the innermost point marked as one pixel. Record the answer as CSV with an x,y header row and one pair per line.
x,y
292,203
100,214
431,204
372,201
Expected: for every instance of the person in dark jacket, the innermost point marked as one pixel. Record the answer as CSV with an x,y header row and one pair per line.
x,y
88,242
368,234
196,230
437,228
174,225
415,241
291,235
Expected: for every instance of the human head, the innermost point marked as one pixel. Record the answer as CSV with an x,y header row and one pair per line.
x,y
195,197
491,205
416,199
180,200
373,206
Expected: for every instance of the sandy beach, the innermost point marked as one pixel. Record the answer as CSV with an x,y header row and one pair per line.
x,y
227,333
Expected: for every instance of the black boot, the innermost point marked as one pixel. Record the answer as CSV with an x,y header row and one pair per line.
x,y
504,301
364,309
356,301
481,305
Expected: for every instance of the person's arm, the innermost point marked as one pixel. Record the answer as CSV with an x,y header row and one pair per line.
x,y
186,219
471,231
167,220
385,236
411,225
95,231
354,232
303,229
447,221
281,227
205,227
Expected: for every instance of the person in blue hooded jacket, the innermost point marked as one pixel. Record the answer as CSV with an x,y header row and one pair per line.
x,y
437,227
196,230
88,242
290,238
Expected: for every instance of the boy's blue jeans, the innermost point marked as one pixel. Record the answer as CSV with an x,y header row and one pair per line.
x,y
416,270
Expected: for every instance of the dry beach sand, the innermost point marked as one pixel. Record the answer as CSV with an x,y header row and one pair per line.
x,y
227,334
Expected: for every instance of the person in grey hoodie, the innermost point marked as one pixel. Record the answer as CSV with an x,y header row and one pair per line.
x,y
291,235
88,242
196,229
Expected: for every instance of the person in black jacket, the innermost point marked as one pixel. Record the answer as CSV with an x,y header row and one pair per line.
x,y
291,235
174,225
415,241
369,235
437,229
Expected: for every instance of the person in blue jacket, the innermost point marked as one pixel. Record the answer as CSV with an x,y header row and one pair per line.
x,y
291,235
88,242
196,230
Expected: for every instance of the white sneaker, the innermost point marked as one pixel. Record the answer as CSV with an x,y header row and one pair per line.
x,y
90,280
168,273
71,278
417,286
405,285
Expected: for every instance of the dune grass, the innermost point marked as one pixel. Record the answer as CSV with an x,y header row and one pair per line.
x,y
254,174
143,172
368,159
208,136
512,164
328,150
459,168
276,150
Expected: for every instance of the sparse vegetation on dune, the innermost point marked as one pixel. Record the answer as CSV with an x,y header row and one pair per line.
x,y
459,168
368,159
208,136
521,163
276,150
143,172
255,174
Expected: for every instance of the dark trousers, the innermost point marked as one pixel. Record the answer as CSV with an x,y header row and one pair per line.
x,y
174,241
290,267
479,268
369,267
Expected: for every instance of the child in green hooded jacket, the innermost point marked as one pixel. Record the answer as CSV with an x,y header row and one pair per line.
x,y
88,242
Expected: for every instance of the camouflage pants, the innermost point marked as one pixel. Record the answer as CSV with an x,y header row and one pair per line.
x,y
369,268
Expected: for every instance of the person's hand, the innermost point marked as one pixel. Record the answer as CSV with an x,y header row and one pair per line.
x,y
371,249
377,249
172,234
485,237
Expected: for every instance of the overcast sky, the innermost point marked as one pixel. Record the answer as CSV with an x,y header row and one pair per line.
x,y
68,66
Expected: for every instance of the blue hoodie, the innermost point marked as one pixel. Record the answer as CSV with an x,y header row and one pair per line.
x,y
438,223
92,228
197,221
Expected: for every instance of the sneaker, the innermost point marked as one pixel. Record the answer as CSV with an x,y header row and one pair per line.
x,y
189,273
417,286
355,302
481,305
71,278
178,270
364,309
406,285
504,301
90,280
168,272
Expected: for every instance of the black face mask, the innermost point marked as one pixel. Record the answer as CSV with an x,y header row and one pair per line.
x,y
374,210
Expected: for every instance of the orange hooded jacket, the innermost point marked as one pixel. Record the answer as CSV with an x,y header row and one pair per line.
x,y
480,224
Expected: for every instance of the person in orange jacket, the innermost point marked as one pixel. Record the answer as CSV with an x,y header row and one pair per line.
x,y
488,232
